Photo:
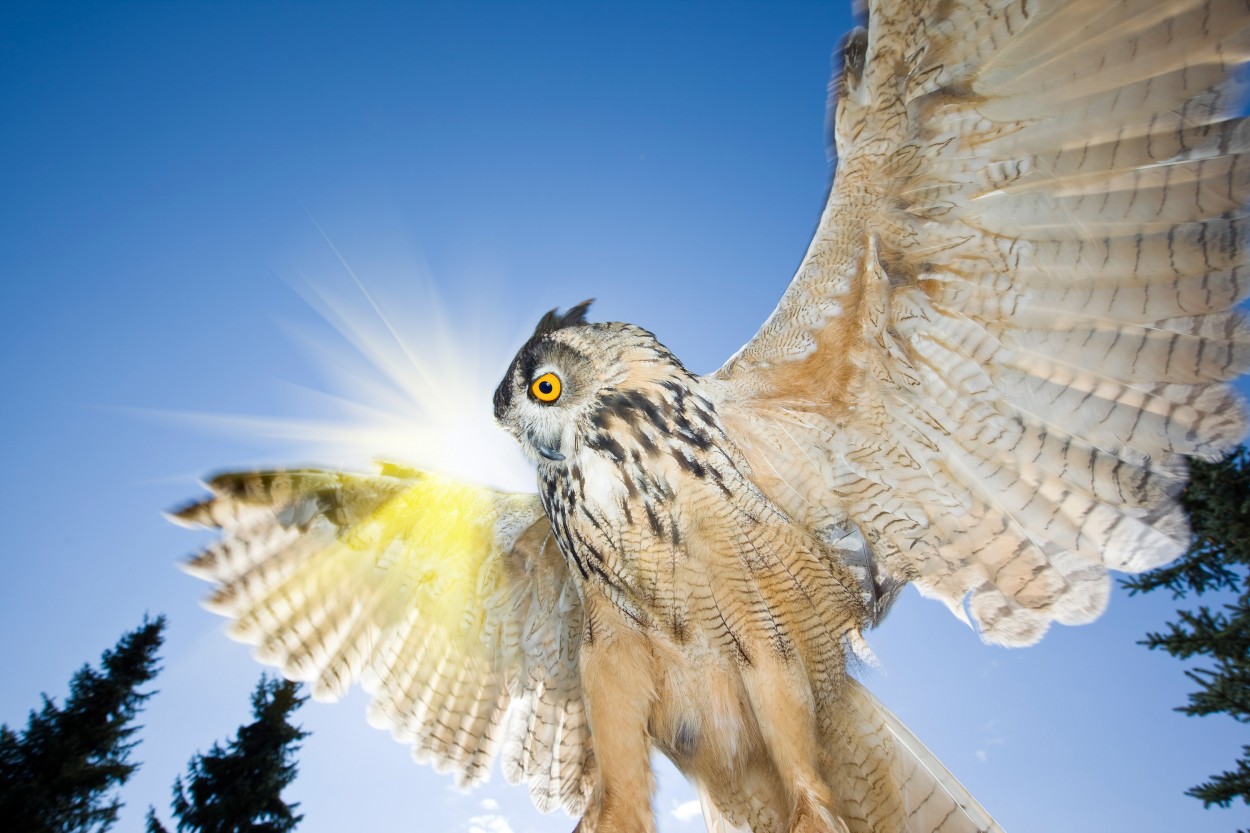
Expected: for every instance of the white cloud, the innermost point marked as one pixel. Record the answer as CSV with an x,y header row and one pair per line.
x,y
490,804
489,823
991,735
687,811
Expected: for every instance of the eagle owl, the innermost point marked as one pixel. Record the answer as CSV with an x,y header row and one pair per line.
x,y
1013,324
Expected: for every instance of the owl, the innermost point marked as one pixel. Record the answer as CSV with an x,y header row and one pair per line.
x,y
1014,323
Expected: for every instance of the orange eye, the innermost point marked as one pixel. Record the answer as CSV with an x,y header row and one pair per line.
x,y
546,388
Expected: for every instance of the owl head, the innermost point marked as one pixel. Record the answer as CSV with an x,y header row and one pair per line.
x,y
559,378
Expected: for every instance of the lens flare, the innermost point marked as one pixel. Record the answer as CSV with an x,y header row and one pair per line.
x,y
406,379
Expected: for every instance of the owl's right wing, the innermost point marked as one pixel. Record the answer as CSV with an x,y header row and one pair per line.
x,y
449,602
1014,321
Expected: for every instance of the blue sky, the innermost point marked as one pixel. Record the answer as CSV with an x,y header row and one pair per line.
x,y
169,170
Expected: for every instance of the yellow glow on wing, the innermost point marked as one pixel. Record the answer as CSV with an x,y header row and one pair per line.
x,y
432,539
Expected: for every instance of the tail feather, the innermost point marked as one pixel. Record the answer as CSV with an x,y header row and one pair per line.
x,y
932,799
713,818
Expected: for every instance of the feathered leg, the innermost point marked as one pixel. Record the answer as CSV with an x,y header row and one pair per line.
x,y
618,679
781,697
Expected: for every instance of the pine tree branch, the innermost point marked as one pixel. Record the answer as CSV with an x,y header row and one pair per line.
x,y
239,786
60,773
1217,561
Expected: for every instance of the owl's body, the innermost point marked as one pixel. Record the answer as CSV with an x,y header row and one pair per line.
x,y
705,606
1013,325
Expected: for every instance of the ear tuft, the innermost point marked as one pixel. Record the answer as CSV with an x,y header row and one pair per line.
x,y
556,320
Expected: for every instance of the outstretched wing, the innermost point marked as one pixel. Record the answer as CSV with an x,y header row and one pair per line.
x,y
1014,320
449,602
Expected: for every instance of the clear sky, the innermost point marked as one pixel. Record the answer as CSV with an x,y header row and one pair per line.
x,y
168,172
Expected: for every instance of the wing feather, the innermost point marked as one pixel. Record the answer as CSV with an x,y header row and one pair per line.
x,y
448,602
1015,319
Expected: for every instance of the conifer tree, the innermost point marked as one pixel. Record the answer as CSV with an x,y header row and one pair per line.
x,y
61,772
239,788
1217,562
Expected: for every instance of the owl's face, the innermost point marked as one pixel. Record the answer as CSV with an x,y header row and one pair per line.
x,y
558,379
550,385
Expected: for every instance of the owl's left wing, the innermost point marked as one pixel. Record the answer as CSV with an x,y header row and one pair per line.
x,y
1014,321
448,601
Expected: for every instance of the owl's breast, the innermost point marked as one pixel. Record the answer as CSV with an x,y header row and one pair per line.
x,y
615,525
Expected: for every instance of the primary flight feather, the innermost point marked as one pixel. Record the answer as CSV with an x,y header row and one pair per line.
x,y
1014,323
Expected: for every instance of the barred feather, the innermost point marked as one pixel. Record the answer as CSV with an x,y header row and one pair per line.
x,y
442,599
1028,262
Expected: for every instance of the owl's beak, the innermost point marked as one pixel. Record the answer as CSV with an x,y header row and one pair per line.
x,y
549,453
